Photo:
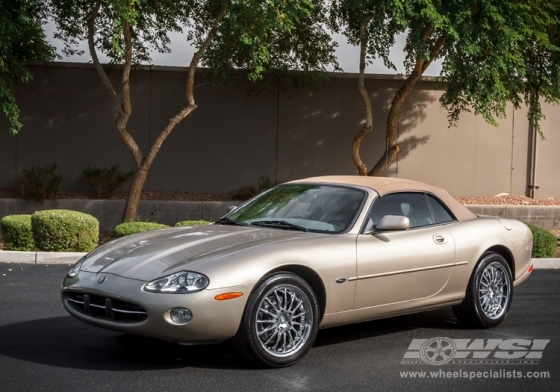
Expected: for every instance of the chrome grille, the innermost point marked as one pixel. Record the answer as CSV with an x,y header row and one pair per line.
x,y
104,307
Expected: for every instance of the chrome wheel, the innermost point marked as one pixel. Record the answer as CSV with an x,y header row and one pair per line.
x,y
284,320
488,295
280,321
494,290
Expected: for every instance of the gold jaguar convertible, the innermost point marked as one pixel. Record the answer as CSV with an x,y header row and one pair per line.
x,y
307,254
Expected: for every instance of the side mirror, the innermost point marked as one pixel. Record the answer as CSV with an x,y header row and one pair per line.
x,y
393,223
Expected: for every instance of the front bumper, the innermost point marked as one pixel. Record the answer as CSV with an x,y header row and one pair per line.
x,y
213,321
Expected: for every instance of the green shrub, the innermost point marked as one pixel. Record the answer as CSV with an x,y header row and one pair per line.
x,y
137,227
65,231
192,223
247,192
544,242
106,180
17,233
41,182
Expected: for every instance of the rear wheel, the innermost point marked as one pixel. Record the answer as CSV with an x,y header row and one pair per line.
x,y
489,294
280,321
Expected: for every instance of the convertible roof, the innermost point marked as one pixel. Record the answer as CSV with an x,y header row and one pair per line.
x,y
385,185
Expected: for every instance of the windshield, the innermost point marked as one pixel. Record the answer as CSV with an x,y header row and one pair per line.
x,y
303,207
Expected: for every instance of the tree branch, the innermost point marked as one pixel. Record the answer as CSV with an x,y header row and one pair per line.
x,y
91,43
196,57
398,101
434,52
191,105
361,81
126,108
360,165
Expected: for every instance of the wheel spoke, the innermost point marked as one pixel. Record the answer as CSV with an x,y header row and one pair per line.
x,y
272,305
284,320
299,301
278,301
291,341
279,337
293,295
267,330
295,316
267,312
493,291
269,340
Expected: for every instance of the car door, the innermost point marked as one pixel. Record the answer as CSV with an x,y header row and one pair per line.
x,y
403,266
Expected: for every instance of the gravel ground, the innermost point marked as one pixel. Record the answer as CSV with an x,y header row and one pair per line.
x,y
510,200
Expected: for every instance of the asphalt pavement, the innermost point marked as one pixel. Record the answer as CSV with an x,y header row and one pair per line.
x,y
42,348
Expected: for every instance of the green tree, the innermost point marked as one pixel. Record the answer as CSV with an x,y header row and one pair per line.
x,y
21,38
494,52
250,34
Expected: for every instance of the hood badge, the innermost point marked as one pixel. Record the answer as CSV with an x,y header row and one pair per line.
x,y
102,279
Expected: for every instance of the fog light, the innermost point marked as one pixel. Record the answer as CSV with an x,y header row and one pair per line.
x,y
181,315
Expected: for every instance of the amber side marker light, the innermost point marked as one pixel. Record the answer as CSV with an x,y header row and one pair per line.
x,y
226,296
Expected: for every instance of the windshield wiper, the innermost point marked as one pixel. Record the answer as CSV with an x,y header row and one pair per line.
x,y
279,224
227,221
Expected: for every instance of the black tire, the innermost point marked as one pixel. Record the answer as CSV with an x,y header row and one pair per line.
x,y
280,321
489,293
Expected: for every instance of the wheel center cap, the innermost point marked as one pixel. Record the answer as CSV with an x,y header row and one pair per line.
x,y
492,289
283,322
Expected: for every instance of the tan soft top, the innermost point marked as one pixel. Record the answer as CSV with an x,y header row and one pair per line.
x,y
385,185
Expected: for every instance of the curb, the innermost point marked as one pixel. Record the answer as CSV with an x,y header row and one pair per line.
x,y
8,256
546,263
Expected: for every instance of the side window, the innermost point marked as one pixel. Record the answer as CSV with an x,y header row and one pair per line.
x,y
412,205
441,214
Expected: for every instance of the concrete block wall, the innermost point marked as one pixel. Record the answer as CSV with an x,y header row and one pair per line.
x,y
109,212
233,139
542,216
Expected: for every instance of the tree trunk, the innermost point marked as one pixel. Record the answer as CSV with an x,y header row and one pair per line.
x,y
360,165
396,105
135,194
142,170
124,105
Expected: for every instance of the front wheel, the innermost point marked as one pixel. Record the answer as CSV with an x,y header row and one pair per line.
x,y
280,321
489,294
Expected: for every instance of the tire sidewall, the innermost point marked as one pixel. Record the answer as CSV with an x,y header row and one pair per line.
x,y
475,287
251,311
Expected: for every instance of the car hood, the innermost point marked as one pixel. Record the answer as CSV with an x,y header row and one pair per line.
x,y
149,255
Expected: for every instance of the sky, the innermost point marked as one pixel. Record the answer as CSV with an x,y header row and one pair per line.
x,y
181,53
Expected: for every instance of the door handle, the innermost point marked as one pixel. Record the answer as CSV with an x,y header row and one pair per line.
x,y
439,239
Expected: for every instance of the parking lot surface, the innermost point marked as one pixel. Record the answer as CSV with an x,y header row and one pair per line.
x,y
42,348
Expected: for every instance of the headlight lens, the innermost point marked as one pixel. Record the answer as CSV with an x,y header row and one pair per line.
x,y
76,268
178,283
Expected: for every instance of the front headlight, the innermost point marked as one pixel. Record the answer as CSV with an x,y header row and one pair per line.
x,y
178,283
76,268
